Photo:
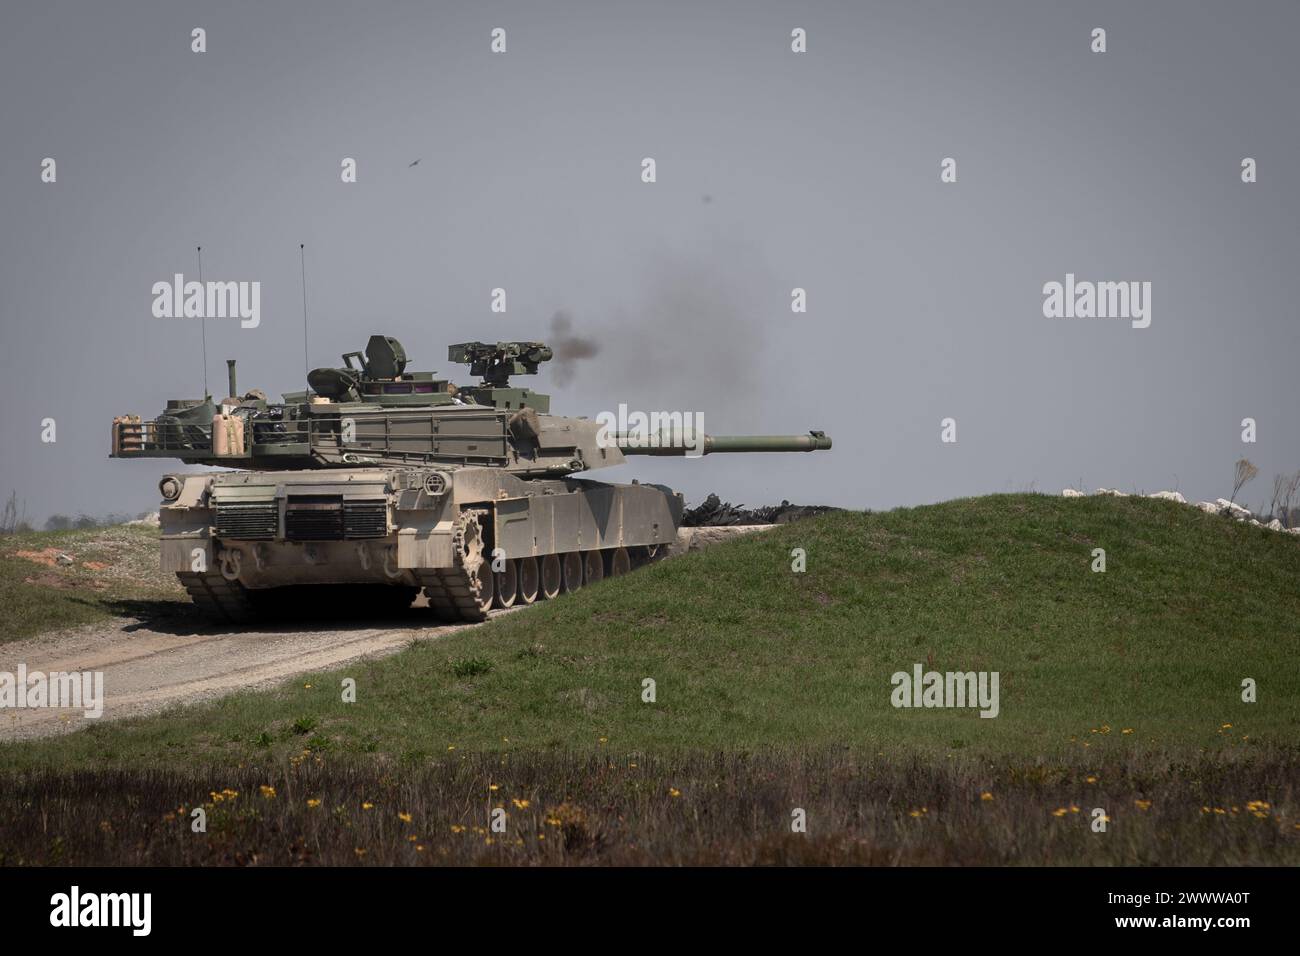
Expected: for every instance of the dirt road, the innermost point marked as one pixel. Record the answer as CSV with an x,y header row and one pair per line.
x,y
151,665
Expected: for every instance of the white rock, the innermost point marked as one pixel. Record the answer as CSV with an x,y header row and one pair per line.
x,y
64,559
1208,506
151,520
696,539
1274,525
1233,509
1169,496
1071,493
1292,530
1113,492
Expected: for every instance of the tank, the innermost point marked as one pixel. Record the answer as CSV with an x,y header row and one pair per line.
x,y
377,483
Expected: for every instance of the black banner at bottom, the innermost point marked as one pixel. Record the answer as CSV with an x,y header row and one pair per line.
x,y
211,905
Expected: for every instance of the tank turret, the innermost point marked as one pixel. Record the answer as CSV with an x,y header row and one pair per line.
x,y
372,411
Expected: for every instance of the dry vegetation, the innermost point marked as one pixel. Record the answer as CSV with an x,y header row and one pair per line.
x,y
704,809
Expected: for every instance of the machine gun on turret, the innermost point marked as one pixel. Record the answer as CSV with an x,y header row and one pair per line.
x,y
494,364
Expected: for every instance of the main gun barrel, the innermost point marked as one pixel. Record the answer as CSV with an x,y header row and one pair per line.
x,y
719,444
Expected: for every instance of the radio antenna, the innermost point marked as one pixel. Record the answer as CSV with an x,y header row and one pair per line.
x,y
204,326
302,256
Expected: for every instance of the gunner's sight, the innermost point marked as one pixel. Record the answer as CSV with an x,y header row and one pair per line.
x,y
496,363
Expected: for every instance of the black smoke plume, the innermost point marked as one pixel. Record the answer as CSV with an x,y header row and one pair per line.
x,y
569,348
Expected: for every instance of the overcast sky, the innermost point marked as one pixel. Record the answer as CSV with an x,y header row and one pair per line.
x,y
775,170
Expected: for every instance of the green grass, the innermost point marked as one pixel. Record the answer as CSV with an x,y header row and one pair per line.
x,y
112,569
1146,658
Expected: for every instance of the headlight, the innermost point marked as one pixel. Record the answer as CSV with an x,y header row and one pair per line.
x,y
170,488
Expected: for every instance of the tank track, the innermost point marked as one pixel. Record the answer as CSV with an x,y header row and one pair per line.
x,y
453,592
216,597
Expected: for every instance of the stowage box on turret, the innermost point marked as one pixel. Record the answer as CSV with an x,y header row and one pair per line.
x,y
396,481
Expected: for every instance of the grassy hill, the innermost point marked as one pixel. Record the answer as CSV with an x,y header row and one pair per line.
x,y
747,654
111,568
1120,696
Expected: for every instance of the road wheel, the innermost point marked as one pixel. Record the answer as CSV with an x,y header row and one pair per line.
x,y
529,579
507,584
572,571
617,562
552,576
593,567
